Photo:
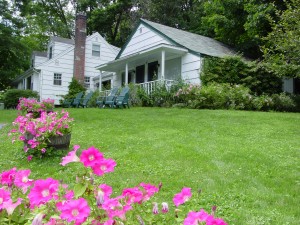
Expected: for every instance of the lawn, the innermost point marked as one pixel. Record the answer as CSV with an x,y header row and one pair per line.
x,y
245,163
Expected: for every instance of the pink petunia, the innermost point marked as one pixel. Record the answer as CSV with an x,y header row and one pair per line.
x,y
155,208
91,156
71,157
7,177
75,211
182,196
132,195
43,191
29,158
10,207
103,194
194,218
150,190
164,207
104,166
4,197
22,181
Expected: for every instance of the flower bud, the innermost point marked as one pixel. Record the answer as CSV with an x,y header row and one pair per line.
x,y
38,219
165,207
155,208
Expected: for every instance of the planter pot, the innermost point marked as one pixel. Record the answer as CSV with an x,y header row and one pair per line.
x,y
56,142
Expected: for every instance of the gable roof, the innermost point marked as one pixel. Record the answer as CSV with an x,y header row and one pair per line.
x,y
62,40
193,42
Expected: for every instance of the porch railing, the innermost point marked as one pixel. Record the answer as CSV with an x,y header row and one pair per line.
x,y
150,86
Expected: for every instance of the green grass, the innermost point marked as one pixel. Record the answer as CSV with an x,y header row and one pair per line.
x,y
245,163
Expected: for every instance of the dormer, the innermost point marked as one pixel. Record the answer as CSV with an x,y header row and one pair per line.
x,y
38,58
57,45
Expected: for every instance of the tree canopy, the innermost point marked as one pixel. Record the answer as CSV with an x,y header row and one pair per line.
x,y
265,30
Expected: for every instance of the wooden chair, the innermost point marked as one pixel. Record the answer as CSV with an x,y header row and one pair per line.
x,y
109,100
68,102
83,103
122,98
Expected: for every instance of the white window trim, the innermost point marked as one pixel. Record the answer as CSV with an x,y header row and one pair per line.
x,y
96,44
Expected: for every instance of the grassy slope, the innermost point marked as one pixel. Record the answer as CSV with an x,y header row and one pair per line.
x,y
246,163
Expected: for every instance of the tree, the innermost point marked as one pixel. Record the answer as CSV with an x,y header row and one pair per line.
x,y
282,50
14,54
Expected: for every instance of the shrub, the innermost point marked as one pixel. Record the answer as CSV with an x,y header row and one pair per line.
x,y
12,96
235,70
262,103
93,100
74,88
283,102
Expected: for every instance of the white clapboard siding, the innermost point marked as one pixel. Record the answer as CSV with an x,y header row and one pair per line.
x,y
190,68
39,60
142,39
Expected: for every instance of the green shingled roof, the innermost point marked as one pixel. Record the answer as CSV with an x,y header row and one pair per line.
x,y
194,42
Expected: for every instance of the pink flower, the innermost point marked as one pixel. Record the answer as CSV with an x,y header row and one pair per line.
x,y
29,158
22,181
115,209
91,156
71,157
75,211
193,218
104,166
7,177
43,191
155,208
103,194
132,195
4,197
10,207
165,207
38,219
182,196
150,190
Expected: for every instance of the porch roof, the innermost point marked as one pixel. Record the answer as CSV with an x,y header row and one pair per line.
x,y
150,54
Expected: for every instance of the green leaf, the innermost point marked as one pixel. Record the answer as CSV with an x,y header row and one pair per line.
x,y
79,189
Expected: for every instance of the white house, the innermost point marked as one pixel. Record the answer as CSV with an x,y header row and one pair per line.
x,y
52,71
155,52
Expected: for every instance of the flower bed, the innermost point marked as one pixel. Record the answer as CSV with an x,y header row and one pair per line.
x,y
49,201
27,105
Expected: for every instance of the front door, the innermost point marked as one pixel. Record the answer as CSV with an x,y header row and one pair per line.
x,y
140,74
153,71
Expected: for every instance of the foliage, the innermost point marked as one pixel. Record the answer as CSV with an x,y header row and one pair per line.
x,y
92,101
74,88
90,201
12,96
36,132
235,70
14,57
282,49
226,96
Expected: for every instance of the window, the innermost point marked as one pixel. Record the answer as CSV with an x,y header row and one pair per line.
x,y
87,82
50,52
57,79
96,50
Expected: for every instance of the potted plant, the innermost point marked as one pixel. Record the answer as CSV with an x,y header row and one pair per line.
x,y
41,135
31,105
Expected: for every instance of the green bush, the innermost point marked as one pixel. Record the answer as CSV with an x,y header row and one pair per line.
x,y
283,102
12,96
262,103
235,70
74,88
92,101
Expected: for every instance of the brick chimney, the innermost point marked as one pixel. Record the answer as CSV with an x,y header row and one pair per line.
x,y
79,51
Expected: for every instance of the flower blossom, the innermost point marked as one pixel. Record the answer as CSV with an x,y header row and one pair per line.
x,y
10,207
4,197
150,190
182,196
90,156
75,211
71,157
103,194
22,181
7,177
195,218
164,207
132,195
43,191
104,166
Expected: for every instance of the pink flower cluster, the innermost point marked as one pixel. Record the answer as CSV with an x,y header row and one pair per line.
x,y
89,203
36,132
194,218
32,105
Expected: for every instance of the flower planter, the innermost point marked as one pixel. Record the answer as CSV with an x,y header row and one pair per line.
x,y
56,142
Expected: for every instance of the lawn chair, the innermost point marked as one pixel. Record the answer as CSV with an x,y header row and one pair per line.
x,y
77,100
107,100
122,99
85,100
68,101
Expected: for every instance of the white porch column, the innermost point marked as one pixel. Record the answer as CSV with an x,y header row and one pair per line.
x,y
126,74
100,81
163,58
